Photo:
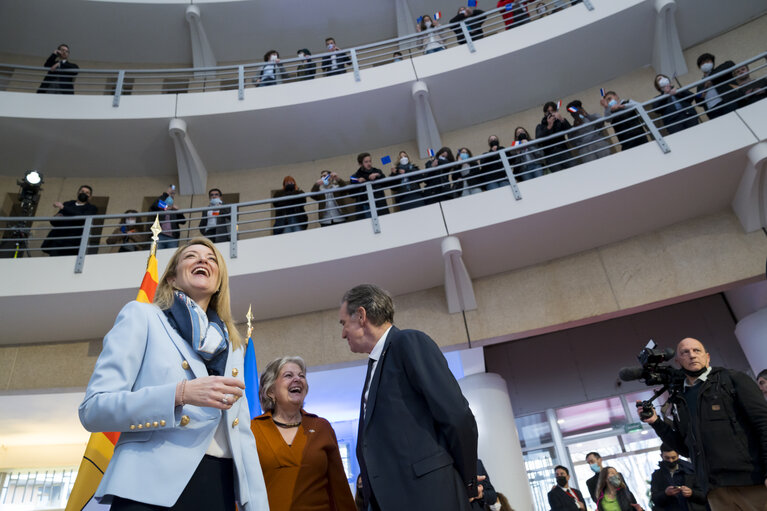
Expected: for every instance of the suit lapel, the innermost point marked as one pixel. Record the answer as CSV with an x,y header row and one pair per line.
x,y
373,393
196,364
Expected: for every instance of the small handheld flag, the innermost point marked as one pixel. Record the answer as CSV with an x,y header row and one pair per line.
x,y
509,7
559,104
386,160
601,92
437,15
418,20
354,179
250,371
431,152
517,142
472,3
572,109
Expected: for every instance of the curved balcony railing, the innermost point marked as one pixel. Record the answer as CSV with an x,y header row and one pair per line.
x,y
119,82
637,123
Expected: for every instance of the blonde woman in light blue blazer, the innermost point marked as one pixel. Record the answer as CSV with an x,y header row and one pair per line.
x,y
169,379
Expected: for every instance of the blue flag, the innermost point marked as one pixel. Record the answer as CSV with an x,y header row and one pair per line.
x,y
386,160
251,380
472,3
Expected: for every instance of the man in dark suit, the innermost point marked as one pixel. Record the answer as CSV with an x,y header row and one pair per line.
x,y
562,497
417,438
61,73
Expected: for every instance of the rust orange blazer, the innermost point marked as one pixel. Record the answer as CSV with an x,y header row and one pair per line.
x,y
307,475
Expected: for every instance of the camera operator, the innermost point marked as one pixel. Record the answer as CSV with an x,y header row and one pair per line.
x,y
720,423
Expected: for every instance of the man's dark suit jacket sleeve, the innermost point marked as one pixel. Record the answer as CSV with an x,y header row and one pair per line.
x,y
427,369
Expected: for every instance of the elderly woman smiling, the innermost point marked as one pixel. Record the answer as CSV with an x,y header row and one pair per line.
x,y
169,379
298,450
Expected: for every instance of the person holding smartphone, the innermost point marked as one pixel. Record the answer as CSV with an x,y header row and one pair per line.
x,y
61,73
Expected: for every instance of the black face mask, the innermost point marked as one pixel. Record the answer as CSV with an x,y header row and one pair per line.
x,y
523,136
562,481
290,187
669,465
492,143
695,374
82,197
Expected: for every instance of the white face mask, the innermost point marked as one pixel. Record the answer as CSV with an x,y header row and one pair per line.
x,y
301,56
273,58
404,160
130,221
331,46
707,67
427,24
663,82
216,201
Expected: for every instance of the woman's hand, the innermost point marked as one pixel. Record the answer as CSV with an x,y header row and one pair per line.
x,y
212,391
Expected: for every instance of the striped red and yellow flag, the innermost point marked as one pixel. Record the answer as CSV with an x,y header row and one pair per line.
x,y
101,446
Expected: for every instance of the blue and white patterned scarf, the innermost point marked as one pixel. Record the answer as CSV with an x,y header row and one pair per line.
x,y
205,332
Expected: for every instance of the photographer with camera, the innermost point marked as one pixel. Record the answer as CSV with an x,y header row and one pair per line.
x,y
720,423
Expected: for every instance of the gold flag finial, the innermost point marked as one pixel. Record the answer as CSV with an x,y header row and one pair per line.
x,y
249,315
156,230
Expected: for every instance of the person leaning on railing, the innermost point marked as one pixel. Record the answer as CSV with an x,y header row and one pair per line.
x,y
437,181
64,238
491,171
335,62
526,158
555,149
289,212
588,142
329,202
515,14
61,74
625,122
127,237
366,172
674,107
710,93
307,68
431,41
746,90
462,180
272,73
407,193
473,18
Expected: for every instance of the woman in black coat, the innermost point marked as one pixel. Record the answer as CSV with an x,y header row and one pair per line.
x,y
674,106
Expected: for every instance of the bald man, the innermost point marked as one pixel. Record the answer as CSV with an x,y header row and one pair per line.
x,y
720,423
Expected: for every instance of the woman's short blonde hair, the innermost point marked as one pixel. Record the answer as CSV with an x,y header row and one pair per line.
x,y
163,297
269,378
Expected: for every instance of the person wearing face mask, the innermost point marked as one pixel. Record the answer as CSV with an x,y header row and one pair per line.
x,y
710,93
289,212
127,236
562,497
674,106
673,486
214,223
307,67
526,159
437,183
465,180
407,194
556,150
719,421
170,222
473,18
330,211
431,41
335,61
589,142
491,172
272,72
625,122
64,238
366,172
612,493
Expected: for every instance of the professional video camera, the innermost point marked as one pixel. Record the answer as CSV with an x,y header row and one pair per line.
x,y
654,372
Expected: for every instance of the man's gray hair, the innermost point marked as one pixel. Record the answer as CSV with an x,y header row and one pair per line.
x,y
377,303
269,378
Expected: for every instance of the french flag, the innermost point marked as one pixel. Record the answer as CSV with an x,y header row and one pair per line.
x,y
517,142
601,92
431,152
559,104
437,15
572,110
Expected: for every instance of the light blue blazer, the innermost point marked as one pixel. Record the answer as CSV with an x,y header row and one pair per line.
x,y
133,390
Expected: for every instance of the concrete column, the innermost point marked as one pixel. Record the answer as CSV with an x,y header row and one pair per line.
x,y
405,19
202,52
667,56
427,133
459,290
192,174
499,447
750,332
749,201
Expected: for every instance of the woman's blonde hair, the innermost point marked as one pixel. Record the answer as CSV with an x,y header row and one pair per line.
x,y
163,297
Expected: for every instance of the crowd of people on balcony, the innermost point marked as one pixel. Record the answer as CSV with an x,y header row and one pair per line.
x,y
559,143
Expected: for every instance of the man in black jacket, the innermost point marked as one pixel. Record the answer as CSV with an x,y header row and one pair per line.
x,y
712,92
366,173
673,486
561,496
61,73
417,437
557,152
64,238
720,423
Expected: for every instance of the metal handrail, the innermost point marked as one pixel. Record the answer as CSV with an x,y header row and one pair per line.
x,y
120,82
24,235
